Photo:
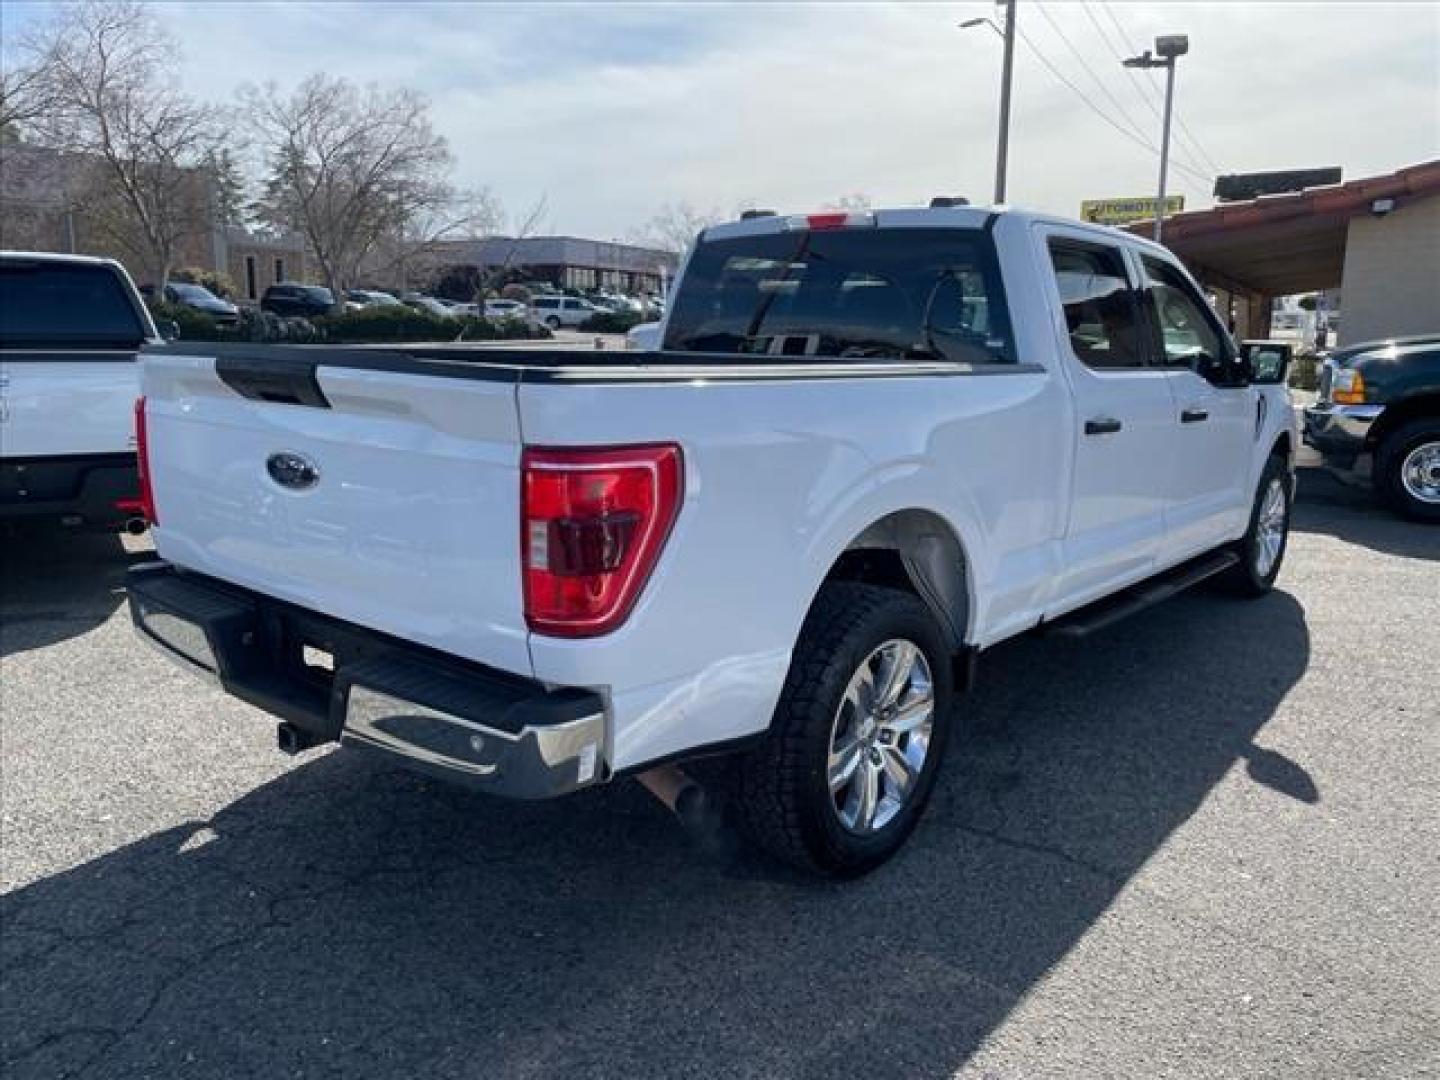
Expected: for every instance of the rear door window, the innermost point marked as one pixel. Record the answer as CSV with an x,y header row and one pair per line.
x,y
47,304
859,293
1101,314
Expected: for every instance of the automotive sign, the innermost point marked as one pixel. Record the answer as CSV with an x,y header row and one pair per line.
x,y
1124,211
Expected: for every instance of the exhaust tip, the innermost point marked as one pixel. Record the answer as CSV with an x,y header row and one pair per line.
x,y
136,526
290,739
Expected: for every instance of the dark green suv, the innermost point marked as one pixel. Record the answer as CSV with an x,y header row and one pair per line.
x,y
1379,416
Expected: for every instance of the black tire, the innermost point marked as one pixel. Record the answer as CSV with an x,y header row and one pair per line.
x,y
783,801
553,322
1246,577
1390,459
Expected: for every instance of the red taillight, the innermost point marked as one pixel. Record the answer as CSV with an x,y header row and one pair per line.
x,y
593,523
142,454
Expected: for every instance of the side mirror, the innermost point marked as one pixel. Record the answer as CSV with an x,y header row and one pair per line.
x,y
169,329
1224,371
1269,361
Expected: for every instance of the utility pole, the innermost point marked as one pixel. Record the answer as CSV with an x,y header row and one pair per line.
x,y
1170,48
1002,147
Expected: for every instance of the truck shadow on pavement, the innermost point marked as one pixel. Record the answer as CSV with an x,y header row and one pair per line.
x,y
56,585
347,919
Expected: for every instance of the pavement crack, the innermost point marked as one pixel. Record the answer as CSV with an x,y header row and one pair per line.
x,y
1047,850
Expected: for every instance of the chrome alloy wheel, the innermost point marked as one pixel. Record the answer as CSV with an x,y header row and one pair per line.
x,y
1420,473
881,736
1270,528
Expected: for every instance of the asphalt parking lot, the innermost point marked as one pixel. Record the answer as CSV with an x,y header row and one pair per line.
x,y
1206,844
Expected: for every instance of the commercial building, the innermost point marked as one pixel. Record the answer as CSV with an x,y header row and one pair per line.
x,y
562,261
45,205
1376,239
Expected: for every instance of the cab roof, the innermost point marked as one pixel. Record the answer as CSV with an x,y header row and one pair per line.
x,y
959,217
57,257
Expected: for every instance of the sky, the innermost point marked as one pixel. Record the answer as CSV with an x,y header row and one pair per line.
x,y
611,111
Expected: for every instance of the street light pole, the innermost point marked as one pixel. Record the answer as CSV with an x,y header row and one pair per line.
x,y
1170,48
1002,145
1002,150
1165,145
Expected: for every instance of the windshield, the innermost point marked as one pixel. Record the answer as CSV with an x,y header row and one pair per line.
x,y
192,292
317,295
877,294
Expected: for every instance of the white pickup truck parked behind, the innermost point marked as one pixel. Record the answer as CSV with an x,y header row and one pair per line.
x,y
70,328
871,446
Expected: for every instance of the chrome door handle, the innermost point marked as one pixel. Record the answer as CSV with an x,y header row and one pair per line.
x,y
1193,416
1102,425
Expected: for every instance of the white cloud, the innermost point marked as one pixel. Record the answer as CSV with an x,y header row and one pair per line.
x,y
615,109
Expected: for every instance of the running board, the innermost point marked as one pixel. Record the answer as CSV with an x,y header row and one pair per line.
x,y
1102,613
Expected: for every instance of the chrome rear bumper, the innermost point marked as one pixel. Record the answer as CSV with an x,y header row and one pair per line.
x,y
538,761
482,728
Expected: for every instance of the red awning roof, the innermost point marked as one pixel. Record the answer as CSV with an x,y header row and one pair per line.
x,y
1283,244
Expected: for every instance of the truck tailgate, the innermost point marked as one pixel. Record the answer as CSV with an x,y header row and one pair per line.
x,y
389,499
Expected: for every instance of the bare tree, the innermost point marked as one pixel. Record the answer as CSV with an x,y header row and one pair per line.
x,y
27,94
349,168
675,227
525,225
112,102
423,231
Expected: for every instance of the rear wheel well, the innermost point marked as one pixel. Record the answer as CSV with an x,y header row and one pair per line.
x,y
1283,446
916,551
1401,413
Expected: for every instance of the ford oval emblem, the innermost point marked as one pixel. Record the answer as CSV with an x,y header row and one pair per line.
x,y
293,471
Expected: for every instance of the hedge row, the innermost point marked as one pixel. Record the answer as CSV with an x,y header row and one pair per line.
x,y
613,322
390,323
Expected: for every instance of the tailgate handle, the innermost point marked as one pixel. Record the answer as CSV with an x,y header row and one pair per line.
x,y
282,381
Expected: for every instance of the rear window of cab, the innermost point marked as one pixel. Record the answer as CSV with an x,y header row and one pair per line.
x,y
44,303
858,294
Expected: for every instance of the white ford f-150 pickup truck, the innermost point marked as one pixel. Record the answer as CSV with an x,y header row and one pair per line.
x,y
870,446
70,327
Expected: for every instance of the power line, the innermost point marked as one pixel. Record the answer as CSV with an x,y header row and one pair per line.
x,y
1125,40
1199,159
1119,105
1101,113
1194,149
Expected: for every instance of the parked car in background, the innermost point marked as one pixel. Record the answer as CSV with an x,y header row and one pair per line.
x,y
303,301
1378,420
616,302
645,337
506,309
558,311
198,298
430,306
371,298
872,445
70,327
